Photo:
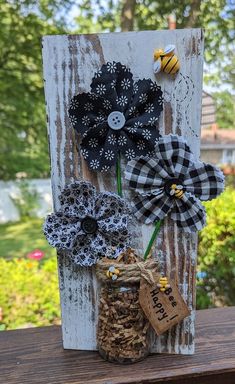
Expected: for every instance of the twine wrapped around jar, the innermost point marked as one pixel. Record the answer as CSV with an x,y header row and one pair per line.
x,y
128,273
122,332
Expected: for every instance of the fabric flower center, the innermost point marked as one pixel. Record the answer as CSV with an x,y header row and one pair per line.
x,y
116,120
174,188
89,225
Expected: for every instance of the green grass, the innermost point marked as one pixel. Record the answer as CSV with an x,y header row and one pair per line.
x,y
18,239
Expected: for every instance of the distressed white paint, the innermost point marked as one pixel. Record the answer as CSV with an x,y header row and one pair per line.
x,y
69,65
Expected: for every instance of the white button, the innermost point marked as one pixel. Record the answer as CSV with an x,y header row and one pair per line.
x,y
116,120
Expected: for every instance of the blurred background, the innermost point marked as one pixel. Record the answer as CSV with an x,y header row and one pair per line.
x,y
28,276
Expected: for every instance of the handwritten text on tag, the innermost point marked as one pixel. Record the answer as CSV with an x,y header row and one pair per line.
x,y
163,309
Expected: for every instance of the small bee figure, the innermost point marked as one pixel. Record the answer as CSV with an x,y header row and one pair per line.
x,y
163,284
177,191
112,272
165,60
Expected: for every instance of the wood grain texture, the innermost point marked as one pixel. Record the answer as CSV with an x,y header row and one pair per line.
x,y
69,64
36,356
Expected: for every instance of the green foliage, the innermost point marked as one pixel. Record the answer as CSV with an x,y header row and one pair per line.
x,y
216,17
29,289
98,16
225,111
217,253
29,294
18,239
27,201
23,140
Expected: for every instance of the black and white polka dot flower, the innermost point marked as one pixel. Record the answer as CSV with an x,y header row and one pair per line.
x,y
116,115
173,181
89,224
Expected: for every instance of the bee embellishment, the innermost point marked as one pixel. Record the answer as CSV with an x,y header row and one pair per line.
x,y
163,284
166,60
177,191
112,272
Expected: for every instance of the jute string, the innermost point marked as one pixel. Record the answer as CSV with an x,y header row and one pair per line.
x,y
129,273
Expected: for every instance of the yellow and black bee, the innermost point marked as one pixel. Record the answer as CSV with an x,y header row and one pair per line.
x,y
177,191
163,284
113,272
165,60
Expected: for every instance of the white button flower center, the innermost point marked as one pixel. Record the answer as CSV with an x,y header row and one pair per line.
x,y
116,120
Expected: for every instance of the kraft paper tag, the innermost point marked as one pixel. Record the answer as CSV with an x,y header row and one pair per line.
x,y
163,309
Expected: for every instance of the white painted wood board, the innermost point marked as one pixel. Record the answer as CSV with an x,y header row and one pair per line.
x,y
69,63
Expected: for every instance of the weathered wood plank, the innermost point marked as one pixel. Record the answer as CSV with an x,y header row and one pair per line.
x,y
69,65
36,356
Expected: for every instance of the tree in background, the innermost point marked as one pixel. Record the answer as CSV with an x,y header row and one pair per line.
x,y
215,16
225,109
23,139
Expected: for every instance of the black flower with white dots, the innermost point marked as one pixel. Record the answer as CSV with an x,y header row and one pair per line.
x,y
89,225
117,116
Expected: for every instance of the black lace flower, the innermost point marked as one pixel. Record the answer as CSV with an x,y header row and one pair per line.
x,y
173,182
89,225
118,115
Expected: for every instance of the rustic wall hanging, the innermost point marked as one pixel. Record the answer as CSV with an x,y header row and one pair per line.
x,y
69,66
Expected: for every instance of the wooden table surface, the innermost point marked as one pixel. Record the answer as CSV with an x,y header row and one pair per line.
x,y
36,356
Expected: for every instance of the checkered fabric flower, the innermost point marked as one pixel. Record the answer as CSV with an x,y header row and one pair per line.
x,y
89,225
173,182
118,115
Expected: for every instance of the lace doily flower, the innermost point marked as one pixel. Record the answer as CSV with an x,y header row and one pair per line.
x,y
173,182
117,116
89,224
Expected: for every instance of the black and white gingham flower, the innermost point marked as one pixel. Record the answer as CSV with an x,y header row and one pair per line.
x,y
173,182
113,90
89,225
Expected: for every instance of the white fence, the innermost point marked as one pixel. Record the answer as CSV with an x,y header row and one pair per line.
x,y
9,189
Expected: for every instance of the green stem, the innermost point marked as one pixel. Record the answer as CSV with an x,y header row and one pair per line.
x,y
119,175
153,238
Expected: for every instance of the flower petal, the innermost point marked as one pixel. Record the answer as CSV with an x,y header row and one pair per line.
x,y
204,181
61,231
114,82
99,148
109,206
86,110
146,175
189,214
132,142
78,199
150,209
109,246
115,228
175,155
84,253
88,249
146,105
112,214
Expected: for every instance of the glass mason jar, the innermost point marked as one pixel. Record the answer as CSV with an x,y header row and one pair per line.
x,y
123,330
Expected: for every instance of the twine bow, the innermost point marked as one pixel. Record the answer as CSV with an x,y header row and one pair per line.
x,y
128,273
